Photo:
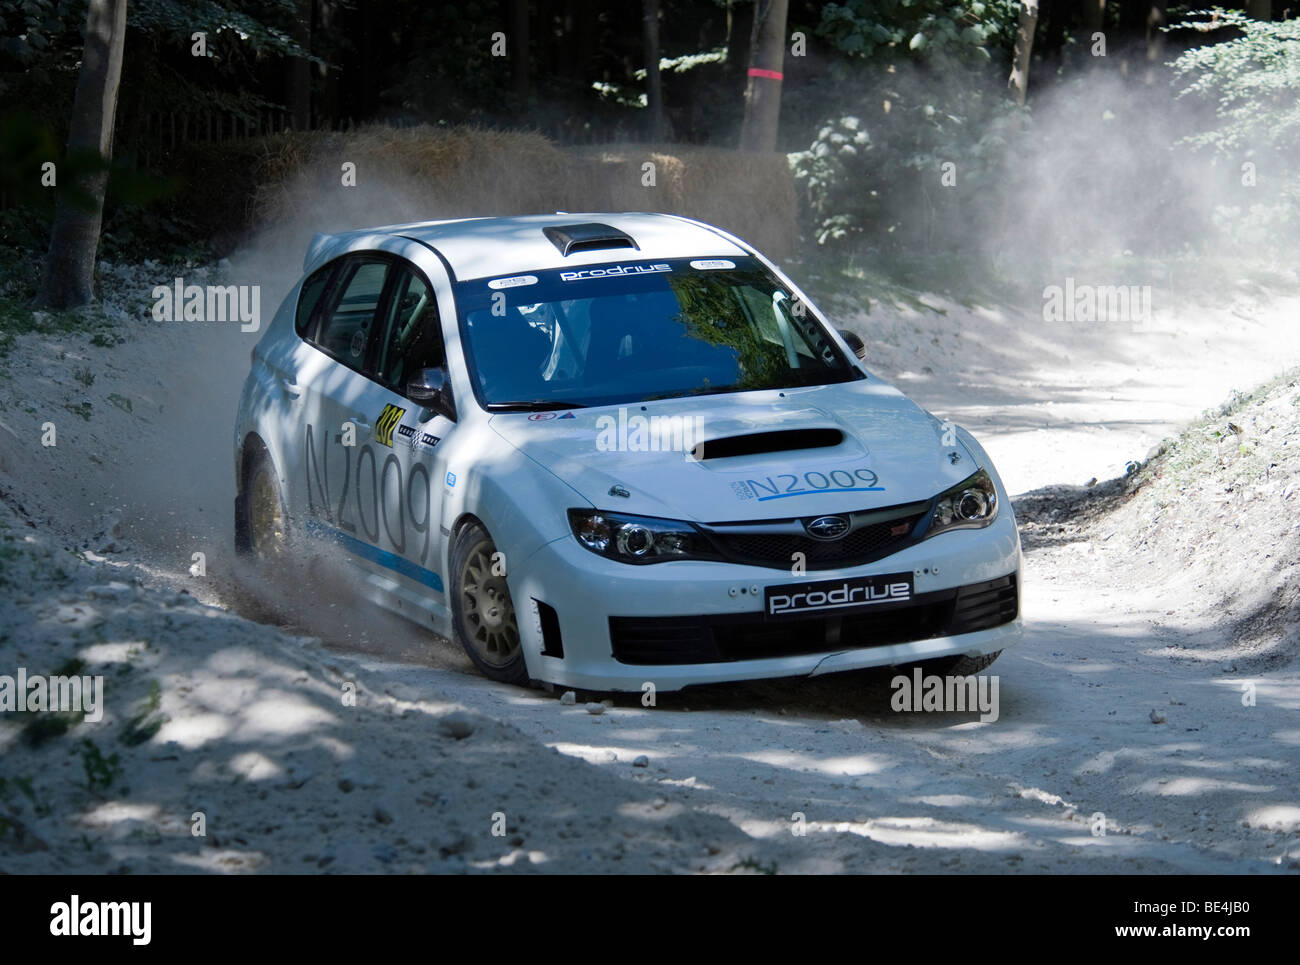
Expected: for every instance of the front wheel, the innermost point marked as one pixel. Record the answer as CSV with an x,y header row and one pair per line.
x,y
483,615
962,666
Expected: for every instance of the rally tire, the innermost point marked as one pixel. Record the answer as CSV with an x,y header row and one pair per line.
x,y
261,520
962,666
483,617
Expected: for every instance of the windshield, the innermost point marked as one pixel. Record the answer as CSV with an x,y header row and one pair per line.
x,y
635,331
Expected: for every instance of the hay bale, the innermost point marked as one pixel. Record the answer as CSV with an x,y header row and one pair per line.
x,y
416,174
751,195
401,174
274,192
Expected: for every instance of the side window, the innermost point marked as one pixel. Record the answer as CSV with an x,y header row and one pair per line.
x,y
412,338
348,320
309,298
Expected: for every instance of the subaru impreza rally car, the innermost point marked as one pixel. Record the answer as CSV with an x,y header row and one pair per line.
x,y
603,450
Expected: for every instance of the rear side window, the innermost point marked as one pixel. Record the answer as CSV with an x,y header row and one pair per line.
x,y
349,319
309,298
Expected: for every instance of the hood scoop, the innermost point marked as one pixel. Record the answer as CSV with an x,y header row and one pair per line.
x,y
762,443
590,236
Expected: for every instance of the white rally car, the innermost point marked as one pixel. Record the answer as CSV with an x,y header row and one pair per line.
x,y
606,450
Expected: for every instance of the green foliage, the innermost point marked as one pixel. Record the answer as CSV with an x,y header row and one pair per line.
x,y
1252,79
42,48
1247,75
827,169
452,81
253,25
925,98
920,29
26,144
41,809
881,169
634,95
147,719
33,31
43,727
101,772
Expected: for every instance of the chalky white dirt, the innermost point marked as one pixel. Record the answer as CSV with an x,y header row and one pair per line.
x,y
313,736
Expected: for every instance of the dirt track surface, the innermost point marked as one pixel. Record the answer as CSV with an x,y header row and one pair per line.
x,y
1113,710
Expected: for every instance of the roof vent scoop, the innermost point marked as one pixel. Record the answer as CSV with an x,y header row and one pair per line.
x,y
591,236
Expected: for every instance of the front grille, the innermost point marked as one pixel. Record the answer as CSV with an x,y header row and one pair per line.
x,y
747,636
860,546
871,538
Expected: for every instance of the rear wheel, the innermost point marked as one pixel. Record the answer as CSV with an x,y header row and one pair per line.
x,y
483,615
260,517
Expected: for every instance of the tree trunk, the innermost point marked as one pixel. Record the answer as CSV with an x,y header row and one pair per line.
x,y
1094,18
1094,23
1155,37
329,15
740,29
518,42
297,73
653,83
68,278
763,92
1259,9
1018,82
584,41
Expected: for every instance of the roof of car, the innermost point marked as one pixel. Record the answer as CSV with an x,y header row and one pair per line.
x,y
483,247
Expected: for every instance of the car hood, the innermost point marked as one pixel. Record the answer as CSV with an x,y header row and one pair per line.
x,y
884,450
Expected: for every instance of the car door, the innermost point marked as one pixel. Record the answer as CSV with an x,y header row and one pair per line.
x,y
383,499
409,341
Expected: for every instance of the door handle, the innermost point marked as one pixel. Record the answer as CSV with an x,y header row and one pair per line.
x,y
361,423
292,389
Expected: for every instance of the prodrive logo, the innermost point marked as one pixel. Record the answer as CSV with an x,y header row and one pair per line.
x,y
613,271
130,918
837,595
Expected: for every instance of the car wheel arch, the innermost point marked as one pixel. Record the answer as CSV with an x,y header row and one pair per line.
x,y
463,522
253,450
251,444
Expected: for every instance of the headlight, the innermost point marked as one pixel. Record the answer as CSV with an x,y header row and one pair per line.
x,y
638,539
971,504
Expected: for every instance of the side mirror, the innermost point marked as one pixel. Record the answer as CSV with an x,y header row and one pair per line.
x,y
431,388
854,342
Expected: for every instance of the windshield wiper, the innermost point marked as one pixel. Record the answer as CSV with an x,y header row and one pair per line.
x,y
536,405
687,393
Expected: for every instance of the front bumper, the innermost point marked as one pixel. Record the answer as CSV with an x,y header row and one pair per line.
x,y
691,622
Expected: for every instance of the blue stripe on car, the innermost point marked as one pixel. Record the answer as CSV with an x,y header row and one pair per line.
x,y
814,492
367,551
